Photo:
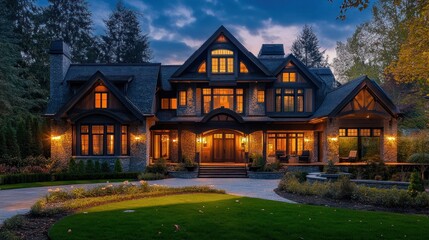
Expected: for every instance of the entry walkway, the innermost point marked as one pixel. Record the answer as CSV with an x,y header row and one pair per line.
x,y
19,201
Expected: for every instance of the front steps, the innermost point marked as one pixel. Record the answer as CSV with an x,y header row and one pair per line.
x,y
214,171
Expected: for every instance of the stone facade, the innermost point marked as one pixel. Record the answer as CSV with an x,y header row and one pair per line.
x,y
330,139
256,143
188,144
62,141
390,141
254,108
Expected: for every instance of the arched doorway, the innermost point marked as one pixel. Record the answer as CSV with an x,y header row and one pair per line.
x,y
222,146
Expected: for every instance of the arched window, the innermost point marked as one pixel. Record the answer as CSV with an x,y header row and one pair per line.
x,y
222,61
202,67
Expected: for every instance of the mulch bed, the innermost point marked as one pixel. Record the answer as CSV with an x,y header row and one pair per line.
x,y
349,204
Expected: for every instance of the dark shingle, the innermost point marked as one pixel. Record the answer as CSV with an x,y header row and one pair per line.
x,y
327,76
166,72
271,50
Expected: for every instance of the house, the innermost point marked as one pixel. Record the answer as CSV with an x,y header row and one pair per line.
x,y
222,105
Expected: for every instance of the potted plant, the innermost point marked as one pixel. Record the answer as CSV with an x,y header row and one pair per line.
x,y
189,164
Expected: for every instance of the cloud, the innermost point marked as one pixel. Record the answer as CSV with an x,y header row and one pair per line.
x,y
180,15
100,12
269,32
208,12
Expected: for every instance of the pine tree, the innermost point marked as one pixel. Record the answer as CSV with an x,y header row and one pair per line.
x,y
11,142
118,166
71,22
23,136
124,41
3,149
306,48
97,167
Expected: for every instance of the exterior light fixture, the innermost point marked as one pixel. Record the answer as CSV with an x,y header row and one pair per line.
x,y
56,137
391,138
175,140
334,139
306,140
137,138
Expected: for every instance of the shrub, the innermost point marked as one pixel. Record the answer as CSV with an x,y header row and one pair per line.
x,y
14,222
72,168
150,176
97,167
344,188
8,235
331,168
159,166
416,184
89,168
24,178
259,161
81,167
118,166
188,162
272,167
105,167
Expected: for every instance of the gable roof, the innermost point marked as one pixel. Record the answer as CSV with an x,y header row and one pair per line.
x,y
99,77
338,98
141,79
212,39
166,72
291,58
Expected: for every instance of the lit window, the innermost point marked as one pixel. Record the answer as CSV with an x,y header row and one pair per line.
x,y
101,99
97,139
300,100
363,101
168,103
124,140
182,98
173,103
285,143
202,67
110,139
289,77
221,38
84,139
261,96
352,132
289,100
376,132
365,132
222,61
243,68
342,132
161,146
239,98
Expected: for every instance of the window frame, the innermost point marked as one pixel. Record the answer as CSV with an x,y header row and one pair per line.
x,y
101,99
287,138
260,96
280,94
117,139
219,59
161,134
208,93
182,104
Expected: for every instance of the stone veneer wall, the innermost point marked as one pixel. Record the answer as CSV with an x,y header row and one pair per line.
x,y
174,146
191,103
390,146
310,143
254,108
139,149
188,143
330,141
61,149
256,143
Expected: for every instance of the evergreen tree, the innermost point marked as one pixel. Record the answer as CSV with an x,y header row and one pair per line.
x,y
72,168
3,149
97,167
124,41
105,167
71,22
11,142
36,142
23,136
306,48
81,167
118,166
89,168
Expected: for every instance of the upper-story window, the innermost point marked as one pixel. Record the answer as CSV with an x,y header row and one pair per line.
x,y
223,97
222,61
168,103
202,67
101,97
293,100
182,98
243,68
288,77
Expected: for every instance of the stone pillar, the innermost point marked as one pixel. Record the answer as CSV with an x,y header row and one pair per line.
x,y
389,141
332,146
61,142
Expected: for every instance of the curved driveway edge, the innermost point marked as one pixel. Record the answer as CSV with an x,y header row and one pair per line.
x,y
19,201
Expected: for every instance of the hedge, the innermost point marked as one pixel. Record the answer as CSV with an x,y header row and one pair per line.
x,y
46,177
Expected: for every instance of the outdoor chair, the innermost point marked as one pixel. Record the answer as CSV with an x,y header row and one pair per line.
x,y
282,157
304,157
351,158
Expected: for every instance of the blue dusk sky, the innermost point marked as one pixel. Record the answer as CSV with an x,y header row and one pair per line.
x,y
176,28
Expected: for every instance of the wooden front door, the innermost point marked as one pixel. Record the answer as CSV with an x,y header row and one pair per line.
x,y
223,147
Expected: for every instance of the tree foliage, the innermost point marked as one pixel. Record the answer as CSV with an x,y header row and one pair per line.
x,y
306,48
124,41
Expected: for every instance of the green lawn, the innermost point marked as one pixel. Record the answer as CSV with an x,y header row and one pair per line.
x,y
56,183
221,216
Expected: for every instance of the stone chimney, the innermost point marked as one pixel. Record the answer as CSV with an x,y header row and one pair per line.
x,y
271,51
60,60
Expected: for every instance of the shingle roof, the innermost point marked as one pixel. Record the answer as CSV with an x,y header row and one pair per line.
x,y
335,97
166,72
272,63
327,76
140,92
271,50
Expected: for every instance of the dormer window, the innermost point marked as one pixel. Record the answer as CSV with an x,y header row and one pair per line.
x,y
101,97
289,77
243,68
222,61
202,67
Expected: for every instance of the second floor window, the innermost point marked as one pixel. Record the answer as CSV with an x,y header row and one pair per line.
x,y
292,100
168,103
182,98
222,61
223,97
261,96
100,99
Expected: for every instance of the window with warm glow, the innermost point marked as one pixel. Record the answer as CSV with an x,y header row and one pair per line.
x,y
365,141
84,140
223,97
240,100
124,140
110,141
285,144
222,61
243,68
289,100
261,96
289,77
97,139
363,101
293,100
202,67
161,146
101,99
168,103
221,39
182,98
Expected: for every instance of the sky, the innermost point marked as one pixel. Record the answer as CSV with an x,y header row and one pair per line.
x,y
177,28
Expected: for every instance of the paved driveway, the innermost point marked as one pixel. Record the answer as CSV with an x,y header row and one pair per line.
x,y
18,201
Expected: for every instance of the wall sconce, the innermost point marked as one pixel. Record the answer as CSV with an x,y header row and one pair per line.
x,y
175,140
334,139
137,138
391,138
56,138
306,140
199,140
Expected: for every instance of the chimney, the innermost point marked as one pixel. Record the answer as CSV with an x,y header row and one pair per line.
x,y
271,51
60,60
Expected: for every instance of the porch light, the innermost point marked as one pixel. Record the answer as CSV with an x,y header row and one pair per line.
x,y
137,138
306,140
334,139
199,140
175,140
391,138
56,138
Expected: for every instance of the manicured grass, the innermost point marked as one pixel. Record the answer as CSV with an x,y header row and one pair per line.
x,y
221,216
56,183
